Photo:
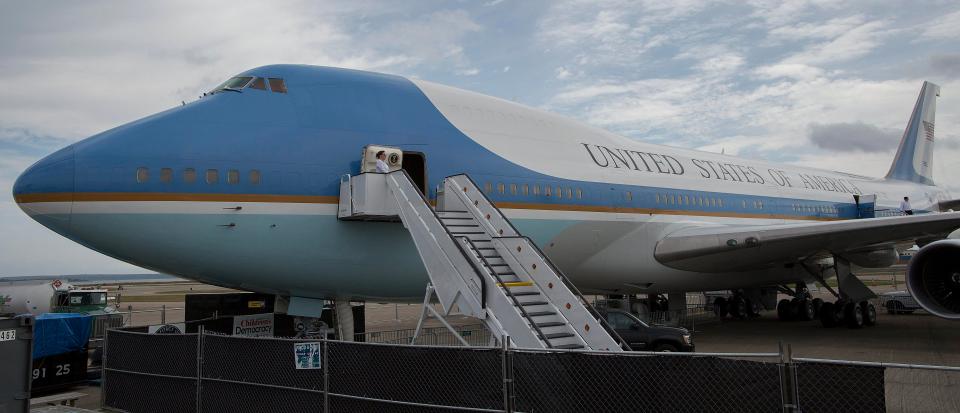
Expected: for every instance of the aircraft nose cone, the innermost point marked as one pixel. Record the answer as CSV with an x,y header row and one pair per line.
x,y
45,190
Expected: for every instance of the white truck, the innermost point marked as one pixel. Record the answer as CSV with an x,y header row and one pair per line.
x,y
38,297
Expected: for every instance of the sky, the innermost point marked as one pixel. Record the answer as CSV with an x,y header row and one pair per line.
x,y
816,83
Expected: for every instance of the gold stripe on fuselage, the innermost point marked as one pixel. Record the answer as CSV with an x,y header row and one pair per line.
x,y
312,199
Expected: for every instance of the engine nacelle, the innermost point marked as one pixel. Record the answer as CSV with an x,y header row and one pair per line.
x,y
933,278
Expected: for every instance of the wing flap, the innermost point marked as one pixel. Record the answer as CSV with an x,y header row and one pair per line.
x,y
729,248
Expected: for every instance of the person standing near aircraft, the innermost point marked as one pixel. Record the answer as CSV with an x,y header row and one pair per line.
x,y
382,167
905,207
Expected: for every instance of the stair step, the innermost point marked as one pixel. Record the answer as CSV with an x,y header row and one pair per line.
x,y
551,324
463,225
533,303
568,346
522,293
541,313
558,335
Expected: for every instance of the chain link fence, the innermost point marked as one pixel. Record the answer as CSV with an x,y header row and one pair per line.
x,y
213,373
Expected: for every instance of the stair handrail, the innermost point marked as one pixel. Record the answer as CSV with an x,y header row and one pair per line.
x,y
483,288
512,297
495,208
576,291
476,268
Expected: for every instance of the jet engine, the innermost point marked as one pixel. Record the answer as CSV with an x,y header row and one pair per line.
x,y
933,278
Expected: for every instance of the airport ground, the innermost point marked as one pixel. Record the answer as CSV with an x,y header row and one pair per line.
x,y
917,338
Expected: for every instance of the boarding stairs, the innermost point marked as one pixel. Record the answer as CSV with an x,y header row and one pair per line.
x,y
479,264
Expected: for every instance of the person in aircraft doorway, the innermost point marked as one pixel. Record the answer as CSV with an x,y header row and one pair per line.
x,y
382,167
905,206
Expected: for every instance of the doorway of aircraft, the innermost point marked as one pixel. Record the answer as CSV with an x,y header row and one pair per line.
x,y
416,166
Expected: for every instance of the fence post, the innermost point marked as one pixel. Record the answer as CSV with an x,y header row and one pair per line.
x,y
199,366
103,369
507,369
325,365
163,314
788,381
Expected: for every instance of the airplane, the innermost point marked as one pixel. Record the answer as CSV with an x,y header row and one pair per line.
x,y
240,189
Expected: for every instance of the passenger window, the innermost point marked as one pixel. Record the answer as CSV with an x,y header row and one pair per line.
x,y
760,203
277,85
513,189
166,175
143,174
500,188
628,195
579,193
686,200
536,189
526,190
713,202
546,190
657,196
671,199
213,176
189,175
255,177
488,187
720,202
569,193
233,177
259,83
559,192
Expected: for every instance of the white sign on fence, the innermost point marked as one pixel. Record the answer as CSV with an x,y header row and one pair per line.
x,y
307,355
256,325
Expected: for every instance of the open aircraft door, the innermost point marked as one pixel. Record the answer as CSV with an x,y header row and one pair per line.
x,y
866,205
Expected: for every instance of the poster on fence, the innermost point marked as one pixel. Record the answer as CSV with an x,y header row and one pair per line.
x,y
256,325
307,355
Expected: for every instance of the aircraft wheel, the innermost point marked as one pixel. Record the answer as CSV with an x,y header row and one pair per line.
x,y
804,309
852,315
828,315
738,307
720,307
783,310
817,304
869,313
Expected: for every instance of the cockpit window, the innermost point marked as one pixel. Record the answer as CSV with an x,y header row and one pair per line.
x,y
234,84
258,83
278,85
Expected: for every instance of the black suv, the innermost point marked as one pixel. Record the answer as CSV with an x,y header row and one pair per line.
x,y
642,336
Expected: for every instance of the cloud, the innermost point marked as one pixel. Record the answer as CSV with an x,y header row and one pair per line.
x,y
468,71
947,65
944,27
850,44
853,137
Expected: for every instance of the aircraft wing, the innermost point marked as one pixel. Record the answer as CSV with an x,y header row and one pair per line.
x,y
733,248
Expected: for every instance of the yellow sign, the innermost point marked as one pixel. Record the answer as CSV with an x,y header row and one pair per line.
x,y
256,304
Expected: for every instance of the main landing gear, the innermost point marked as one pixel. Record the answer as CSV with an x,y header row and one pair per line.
x,y
850,309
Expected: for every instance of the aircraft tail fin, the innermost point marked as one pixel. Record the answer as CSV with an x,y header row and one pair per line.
x,y
914,160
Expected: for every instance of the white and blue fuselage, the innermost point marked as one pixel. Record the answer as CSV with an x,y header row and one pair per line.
x,y
240,188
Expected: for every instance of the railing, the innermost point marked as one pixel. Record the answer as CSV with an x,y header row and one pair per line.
x,y
475,334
